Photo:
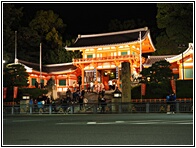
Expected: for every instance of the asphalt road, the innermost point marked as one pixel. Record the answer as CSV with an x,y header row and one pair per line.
x,y
98,130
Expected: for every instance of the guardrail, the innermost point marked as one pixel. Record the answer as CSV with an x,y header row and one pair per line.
x,y
94,108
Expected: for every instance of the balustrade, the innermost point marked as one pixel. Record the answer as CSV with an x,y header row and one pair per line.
x,y
103,59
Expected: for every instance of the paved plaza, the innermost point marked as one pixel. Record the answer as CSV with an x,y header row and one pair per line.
x,y
99,129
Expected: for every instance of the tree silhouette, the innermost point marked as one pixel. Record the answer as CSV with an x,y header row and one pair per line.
x,y
175,20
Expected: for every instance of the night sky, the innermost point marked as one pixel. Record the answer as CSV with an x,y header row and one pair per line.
x,y
91,17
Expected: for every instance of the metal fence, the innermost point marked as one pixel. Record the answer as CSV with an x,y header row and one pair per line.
x,y
94,108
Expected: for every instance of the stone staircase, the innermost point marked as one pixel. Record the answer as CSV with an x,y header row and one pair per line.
x,y
93,96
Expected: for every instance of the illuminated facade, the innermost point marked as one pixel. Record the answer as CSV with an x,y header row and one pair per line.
x,y
181,64
64,74
104,53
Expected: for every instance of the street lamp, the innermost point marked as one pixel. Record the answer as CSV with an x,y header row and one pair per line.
x,y
117,94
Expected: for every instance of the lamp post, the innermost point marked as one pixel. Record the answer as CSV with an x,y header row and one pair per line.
x,y
117,94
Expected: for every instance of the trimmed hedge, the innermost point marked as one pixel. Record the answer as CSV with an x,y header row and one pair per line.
x,y
184,89
32,92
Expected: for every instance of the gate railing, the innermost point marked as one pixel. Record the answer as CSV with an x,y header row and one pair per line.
x,y
94,108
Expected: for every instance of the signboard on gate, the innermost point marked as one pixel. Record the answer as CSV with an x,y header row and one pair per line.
x,y
116,72
95,73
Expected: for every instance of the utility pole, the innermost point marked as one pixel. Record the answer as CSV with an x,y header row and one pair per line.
x,y
15,60
40,65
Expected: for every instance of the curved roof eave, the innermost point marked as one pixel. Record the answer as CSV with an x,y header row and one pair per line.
x,y
113,33
59,64
116,44
97,46
56,72
106,34
179,56
149,36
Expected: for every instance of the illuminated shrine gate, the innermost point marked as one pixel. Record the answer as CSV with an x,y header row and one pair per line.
x,y
104,53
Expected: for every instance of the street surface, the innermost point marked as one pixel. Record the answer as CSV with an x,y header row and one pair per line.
x,y
98,129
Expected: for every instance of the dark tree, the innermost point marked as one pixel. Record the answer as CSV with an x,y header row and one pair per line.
x,y
176,23
158,72
15,75
11,23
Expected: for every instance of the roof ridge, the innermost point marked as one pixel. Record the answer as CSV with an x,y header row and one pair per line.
x,y
113,33
59,64
47,65
161,55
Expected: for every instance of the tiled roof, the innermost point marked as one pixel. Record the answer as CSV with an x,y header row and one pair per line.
x,y
110,38
50,68
152,59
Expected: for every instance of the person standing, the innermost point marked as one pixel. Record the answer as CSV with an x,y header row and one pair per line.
x,y
83,92
68,92
81,101
99,101
103,104
75,96
101,86
173,103
74,86
103,92
85,100
31,105
91,86
168,103
88,87
110,84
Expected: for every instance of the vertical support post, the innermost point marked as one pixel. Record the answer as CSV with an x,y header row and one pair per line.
x,y
140,36
147,107
15,61
12,110
120,106
182,67
30,108
72,108
50,109
177,107
40,66
82,68
95,108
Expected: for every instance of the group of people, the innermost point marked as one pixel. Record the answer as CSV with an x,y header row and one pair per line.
x,y
79,97
112,85
76,97
99,87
